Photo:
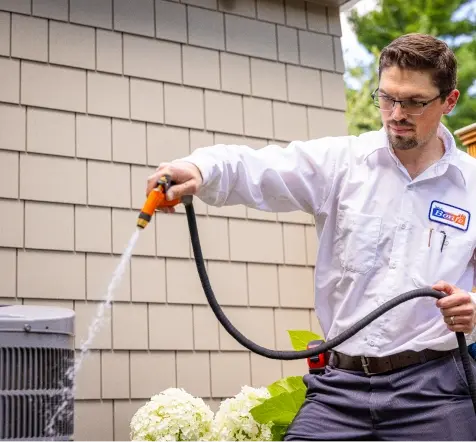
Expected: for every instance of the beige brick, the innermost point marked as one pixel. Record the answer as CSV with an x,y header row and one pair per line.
x,y
316,18
297,217
135,18
263,285
172,237
176,113
96,13
338,55
60,303
86,313
311,245
288,50
256,324
264,371
92,229
290,122
201,67
88,379
10,84
129,326
304,85
333,88
108,95
147,100
230,371
258,117
43,178
315,325
294,238
9,174
210,4
223,112
246,8
8,273
296,286
12,127
165,144
171,21
115,375
5,31
123,226
193,373
152,373
268,79
53,87
235,73
72,45
128,142
316,50
148,279
93,137
323,122
260,214
100,269
220,275
228,211
289,319
139,175
11,213
213,237
205,327
200,139
56,9
333,15
269,10
29,38
205,28
109,51
268,235
50,132
38,275
296,367
170,327
295,13
260,40
49,226
109,184
183,283
22,6
124,410
153,59
93,420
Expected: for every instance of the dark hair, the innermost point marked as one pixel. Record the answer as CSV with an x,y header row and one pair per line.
x,y
422,52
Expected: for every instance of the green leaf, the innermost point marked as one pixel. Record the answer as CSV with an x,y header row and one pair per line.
x,y
278,432
281,409
300,338
289,384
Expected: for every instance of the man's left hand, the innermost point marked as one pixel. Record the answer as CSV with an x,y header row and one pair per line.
x,y
458,309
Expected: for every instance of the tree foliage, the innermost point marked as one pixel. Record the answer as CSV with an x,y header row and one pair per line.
x,y
393,18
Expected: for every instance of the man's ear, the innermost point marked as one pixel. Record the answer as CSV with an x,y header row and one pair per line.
x,y
451,101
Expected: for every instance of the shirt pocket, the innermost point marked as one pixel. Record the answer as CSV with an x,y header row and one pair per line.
x,y
357,239
439,257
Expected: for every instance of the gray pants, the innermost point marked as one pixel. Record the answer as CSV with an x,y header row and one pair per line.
x,y
423,402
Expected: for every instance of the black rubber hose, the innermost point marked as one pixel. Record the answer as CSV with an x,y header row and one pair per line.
x,y
290,355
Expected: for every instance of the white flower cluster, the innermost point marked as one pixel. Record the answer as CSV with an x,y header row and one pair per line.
x,y
172,415
233,420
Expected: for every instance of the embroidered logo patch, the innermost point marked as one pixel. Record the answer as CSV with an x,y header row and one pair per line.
x,y
449,215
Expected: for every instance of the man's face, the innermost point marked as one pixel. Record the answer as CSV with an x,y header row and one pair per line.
x,y
406,131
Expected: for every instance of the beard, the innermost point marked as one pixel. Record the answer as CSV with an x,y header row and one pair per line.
x,y
402,142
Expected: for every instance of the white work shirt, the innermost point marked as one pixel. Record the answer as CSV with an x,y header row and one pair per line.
x,y
373,222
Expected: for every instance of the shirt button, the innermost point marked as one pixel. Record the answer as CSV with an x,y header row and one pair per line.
x,y
403,226
372,343
393,265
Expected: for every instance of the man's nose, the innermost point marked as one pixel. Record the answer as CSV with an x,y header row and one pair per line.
x,y
398,113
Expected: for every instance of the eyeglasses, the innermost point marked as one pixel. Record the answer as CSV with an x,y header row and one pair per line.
x,y
411,107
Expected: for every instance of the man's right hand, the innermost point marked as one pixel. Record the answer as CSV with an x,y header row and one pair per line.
x,y
187,178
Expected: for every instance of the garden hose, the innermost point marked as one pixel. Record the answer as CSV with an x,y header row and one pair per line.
x,y
325,346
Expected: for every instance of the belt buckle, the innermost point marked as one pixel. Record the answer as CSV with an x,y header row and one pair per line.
x,y
365,365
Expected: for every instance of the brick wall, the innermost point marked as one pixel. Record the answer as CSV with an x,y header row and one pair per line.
x,y
93,95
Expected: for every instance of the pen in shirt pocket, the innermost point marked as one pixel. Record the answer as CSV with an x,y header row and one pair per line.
x,y
444,241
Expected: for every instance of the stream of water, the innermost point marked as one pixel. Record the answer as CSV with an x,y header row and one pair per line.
x,y
94,328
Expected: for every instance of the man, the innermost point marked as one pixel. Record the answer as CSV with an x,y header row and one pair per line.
x,y
393,213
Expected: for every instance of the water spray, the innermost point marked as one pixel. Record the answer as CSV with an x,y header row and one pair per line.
x,y
157,199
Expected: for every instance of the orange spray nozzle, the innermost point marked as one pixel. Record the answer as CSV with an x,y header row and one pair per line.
x,y
155,200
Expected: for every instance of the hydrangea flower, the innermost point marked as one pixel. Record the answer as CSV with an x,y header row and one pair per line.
x,y
172,415
233,420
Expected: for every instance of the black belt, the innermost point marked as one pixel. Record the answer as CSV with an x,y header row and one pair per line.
x,y
378,365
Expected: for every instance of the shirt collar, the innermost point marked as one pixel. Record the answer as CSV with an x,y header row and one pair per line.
x,y
450,162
